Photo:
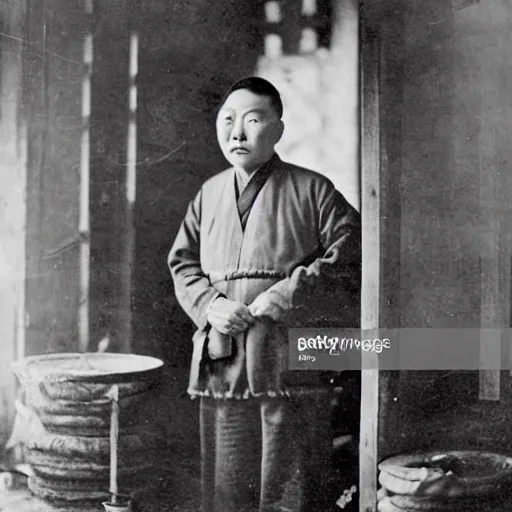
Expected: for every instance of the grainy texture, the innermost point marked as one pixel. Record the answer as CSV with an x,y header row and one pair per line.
x,y
447,115
53,85
371,268
12,208
315,87
189,53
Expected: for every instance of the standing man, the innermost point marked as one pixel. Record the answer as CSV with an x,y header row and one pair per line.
x,y
264,246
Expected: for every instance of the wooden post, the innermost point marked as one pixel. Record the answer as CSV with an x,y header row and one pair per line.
x,y
130,189
492,296
391,97
85,176
34,86
113,179
52,81
370,208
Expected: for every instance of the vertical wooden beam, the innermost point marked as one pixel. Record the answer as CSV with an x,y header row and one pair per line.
x,y
35,113
391,97
53,88
370,293
112,176
127,263
491,310
85,176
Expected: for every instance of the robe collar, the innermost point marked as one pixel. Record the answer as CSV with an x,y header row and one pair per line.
x,y
246,198
242,180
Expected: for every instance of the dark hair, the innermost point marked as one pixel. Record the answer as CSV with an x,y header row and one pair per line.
x,y
258,86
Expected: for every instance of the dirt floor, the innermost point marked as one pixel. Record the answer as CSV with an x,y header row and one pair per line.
x,y
174,484
175,487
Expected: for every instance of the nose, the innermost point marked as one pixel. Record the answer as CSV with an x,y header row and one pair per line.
x,y
237,132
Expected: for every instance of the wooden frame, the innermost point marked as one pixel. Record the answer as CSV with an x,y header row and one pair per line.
x,y
113,176
370,293
495,253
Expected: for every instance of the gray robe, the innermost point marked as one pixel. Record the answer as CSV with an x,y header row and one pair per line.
x,y
301,245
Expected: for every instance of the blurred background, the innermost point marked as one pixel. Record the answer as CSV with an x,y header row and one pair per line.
x,y
107,130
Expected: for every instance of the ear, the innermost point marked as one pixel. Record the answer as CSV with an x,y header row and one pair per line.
x,y
279,131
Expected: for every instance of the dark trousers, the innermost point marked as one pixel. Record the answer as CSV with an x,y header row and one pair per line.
x,y
265,454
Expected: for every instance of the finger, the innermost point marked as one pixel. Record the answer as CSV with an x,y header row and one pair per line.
x,y
276,314
245,315
233,329
236,331
279,300
273,311
223,317
237,323
223,325
256,310
269,312
258,303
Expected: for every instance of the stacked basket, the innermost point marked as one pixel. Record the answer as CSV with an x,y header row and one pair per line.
x,y
70,450
458,481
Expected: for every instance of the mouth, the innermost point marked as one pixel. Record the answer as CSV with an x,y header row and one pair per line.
x,y
239,150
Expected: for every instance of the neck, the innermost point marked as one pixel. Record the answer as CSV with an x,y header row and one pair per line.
x,y
250,172
247,172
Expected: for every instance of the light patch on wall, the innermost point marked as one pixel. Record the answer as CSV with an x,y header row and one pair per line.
x,y
131,167
308,41
320,93
273,46
273,12
84,216
308,7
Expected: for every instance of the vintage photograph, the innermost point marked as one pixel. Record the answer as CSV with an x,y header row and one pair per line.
x,y
255,255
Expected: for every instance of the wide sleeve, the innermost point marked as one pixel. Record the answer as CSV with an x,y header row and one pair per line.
x,y
319,289
192,287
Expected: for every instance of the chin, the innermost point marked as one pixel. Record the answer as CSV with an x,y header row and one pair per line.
x,y
244,164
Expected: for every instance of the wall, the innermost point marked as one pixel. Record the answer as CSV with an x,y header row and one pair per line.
x,y
110,272
41,75
320,92
190,52
12,209
52,80
186,64
444,98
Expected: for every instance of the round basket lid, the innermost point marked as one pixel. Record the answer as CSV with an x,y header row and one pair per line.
x,y
91,367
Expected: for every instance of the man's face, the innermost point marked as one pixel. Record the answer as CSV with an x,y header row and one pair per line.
x,y
248,128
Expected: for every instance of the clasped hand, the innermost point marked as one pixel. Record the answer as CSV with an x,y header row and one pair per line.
x,y
229,317
270,305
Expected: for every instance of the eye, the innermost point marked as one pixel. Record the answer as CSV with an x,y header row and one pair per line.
x,y
253,120
228,119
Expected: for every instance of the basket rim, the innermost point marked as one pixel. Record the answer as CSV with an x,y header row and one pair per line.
x,y
405,460
29,367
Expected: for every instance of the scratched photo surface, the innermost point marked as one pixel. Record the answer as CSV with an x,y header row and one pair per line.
x,y
108,131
